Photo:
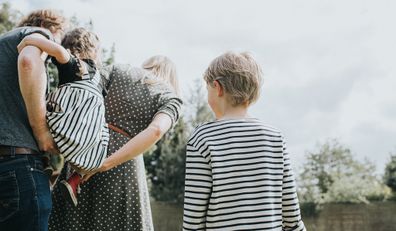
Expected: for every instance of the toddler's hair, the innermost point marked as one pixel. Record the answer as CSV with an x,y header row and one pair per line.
x,y
239,75
83,44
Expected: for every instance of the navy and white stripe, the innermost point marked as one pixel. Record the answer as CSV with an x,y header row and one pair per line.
x,y
238,177
77,122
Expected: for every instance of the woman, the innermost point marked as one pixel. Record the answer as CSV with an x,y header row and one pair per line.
x,y
140,108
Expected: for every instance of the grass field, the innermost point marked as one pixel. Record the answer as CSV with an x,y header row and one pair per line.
x,y
380,216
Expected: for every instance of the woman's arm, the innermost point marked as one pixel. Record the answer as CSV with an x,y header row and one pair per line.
x,y
51,48
141,142
138,144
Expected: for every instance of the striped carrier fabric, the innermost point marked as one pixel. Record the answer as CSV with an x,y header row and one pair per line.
x,y
76,117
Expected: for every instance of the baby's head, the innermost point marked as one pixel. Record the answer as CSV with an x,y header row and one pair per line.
x,y
162,67
83,44
239,76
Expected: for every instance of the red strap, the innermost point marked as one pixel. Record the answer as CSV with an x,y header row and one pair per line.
x,y
118,130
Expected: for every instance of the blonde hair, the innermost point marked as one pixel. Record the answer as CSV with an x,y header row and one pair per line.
x,y
162,67
49,19
239,75
83,44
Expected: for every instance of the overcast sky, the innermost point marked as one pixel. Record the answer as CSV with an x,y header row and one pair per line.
x,y
329,65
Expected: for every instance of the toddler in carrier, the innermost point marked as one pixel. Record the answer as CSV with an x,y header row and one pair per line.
x,y
75,110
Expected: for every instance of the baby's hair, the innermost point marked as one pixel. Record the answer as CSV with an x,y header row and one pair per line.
x,y
46,18
238,74
83,44
162,67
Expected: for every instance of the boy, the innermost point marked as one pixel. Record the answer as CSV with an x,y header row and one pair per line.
x,y
238,174
75,110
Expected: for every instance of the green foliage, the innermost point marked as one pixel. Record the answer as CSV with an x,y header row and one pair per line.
x,y
165,164
8,17
198,109
332,175
53,76
309,209
390,173
108,57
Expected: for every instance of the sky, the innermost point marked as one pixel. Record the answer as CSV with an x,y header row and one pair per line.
x,y
329,66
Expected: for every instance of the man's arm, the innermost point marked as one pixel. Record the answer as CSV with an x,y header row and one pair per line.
x,y
33,83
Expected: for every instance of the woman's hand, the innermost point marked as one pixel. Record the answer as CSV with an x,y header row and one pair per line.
x,y
86,177
105,167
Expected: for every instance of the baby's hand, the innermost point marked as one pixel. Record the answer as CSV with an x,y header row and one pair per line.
x,y
22,45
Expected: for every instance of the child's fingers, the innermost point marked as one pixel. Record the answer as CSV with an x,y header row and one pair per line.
x,y
20,47
86,177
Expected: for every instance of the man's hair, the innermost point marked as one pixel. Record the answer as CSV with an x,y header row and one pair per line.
x,y
238,74
47,18
82,43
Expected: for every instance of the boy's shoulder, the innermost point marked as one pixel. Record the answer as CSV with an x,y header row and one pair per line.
x,y
199,128
220,125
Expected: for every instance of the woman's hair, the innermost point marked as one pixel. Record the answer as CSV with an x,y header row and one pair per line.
x,y
83,44
162,67
239,75
49,19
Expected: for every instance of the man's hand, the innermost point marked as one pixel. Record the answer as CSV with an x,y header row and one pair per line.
x,y
46,142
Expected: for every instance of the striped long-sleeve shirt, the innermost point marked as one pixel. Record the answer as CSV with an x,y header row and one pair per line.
x,y
76,118
238,177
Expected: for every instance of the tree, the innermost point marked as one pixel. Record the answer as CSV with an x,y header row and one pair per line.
x,y
108,58
8,17
165,164
331,174
390,173
198,109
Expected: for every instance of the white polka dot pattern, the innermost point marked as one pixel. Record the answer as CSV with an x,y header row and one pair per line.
x,y
118,199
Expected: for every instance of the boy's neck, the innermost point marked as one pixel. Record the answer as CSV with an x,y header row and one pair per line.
x,y
232,112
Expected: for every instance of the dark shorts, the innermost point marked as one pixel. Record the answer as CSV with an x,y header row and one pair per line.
x,y
25,198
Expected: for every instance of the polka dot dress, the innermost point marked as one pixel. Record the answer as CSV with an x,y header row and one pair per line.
x,y
118,199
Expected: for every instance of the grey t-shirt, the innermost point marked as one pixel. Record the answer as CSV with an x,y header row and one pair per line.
x,y
15,129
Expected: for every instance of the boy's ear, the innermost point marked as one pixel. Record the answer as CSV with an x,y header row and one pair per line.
x,y
219,88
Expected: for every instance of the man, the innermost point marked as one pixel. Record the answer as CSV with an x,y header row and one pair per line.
x,y
25,200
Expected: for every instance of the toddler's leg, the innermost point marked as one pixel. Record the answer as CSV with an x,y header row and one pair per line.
x,y
56,163
48,168
71,187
